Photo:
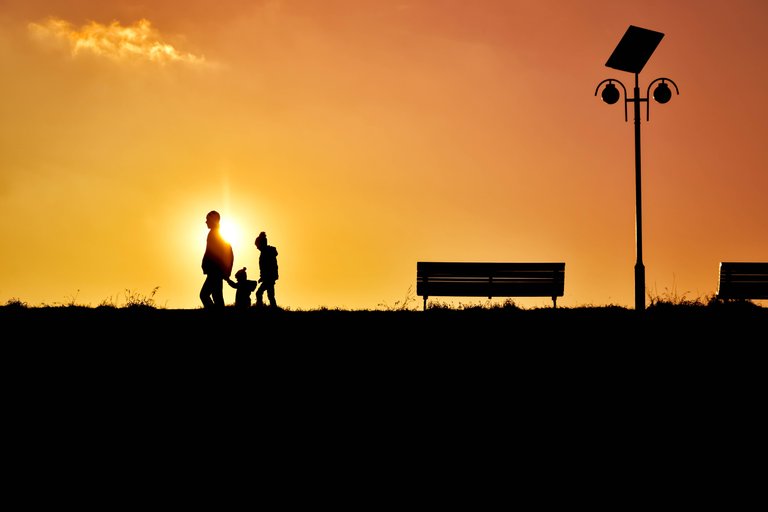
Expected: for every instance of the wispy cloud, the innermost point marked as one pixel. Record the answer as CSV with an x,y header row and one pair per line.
x,y
139,41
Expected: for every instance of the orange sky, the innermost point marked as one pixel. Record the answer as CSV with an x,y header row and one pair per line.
x,y
366,135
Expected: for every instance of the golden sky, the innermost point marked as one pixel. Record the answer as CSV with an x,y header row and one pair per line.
x,y
365,135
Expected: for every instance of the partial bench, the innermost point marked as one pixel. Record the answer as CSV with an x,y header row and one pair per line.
x,y
470,279
743,280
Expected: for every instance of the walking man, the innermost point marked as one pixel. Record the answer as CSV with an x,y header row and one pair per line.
x,y
217,264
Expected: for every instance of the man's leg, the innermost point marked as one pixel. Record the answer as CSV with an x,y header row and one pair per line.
x,y
260,294
205,293
218,292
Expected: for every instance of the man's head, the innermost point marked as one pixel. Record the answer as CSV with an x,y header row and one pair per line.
x,y
212,219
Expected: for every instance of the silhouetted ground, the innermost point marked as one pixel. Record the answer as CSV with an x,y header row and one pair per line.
x,y
503,326
490,334
543,345
453,405
489,354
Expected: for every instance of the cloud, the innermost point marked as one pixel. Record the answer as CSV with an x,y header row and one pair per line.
x,y
139,41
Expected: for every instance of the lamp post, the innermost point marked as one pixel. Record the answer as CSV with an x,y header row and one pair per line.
x,y
631,54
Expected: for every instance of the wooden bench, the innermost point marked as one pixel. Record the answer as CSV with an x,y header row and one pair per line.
x,y
743,280
469,279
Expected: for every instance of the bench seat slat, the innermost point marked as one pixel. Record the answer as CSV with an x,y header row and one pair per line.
x,y
486,290
548,277
744,267
494,275
451,270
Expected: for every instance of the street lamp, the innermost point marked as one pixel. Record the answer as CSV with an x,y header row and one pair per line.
x,y
633,51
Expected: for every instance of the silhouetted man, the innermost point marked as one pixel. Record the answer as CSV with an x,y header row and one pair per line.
x,y
217,264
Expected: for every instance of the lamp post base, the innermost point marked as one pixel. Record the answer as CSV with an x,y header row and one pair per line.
x,y
639,287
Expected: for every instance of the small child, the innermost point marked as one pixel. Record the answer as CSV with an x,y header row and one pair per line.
x,y
244,289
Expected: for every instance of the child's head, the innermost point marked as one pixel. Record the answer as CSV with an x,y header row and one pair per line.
x,y
261,240
241,275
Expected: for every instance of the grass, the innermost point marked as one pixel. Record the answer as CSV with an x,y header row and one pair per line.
x,y
139,315
669,316
669,298
132,299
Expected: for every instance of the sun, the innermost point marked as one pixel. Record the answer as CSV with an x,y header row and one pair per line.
x,y
240,239
230,231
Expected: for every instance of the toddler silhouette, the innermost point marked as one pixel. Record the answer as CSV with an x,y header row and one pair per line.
x,y
244,288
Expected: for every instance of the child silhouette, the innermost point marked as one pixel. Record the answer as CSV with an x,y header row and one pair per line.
x,y
268,269
244,288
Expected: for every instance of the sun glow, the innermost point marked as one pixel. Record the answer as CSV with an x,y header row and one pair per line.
x,y
240,239
230,231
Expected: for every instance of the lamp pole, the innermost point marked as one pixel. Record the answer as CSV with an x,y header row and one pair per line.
x,y
633,51
639,266
661,94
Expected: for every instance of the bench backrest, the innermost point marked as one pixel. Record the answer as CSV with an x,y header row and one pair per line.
x,y
743,280
471,279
